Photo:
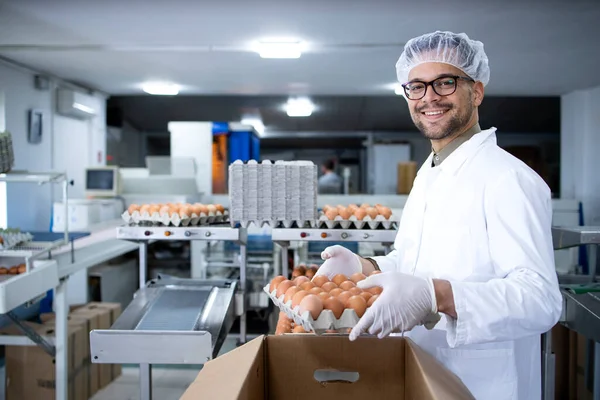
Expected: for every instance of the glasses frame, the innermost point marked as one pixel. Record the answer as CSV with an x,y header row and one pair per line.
x,y
430,83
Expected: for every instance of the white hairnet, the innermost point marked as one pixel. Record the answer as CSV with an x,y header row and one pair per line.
x,y
455,49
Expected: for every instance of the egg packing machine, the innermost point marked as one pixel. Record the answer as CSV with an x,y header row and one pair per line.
x,y
581,305
174,320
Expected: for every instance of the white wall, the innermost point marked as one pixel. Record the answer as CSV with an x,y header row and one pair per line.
x,y
580,145
29,206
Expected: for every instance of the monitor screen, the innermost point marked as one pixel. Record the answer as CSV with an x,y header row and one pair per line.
x,y
100,179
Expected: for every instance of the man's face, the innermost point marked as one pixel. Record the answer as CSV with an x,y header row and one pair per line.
x,y
457,110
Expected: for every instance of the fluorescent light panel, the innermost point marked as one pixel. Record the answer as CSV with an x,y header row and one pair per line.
x,y
279,49
299,107
161,89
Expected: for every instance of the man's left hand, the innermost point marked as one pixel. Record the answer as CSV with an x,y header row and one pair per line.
x,y
406,301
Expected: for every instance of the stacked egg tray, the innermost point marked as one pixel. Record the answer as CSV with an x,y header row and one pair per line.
x,y
175,219
7,155
366,223
326,321
12,238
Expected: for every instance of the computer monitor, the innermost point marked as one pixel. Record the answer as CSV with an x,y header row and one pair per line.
x,y
102,181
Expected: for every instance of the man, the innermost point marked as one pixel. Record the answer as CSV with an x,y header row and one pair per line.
x,y
329,182
474,243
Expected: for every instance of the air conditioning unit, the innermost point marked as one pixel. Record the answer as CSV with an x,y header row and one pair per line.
x,y
75,104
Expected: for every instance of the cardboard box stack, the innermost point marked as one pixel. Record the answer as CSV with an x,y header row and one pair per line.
x,y
407,172
30,371
307,366
570,349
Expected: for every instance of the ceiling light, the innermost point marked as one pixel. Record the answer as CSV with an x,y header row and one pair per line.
x,y
256,123
161,89
299,107
279,49
399,90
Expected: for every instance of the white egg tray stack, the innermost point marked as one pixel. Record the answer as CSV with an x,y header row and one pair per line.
x,y
280,193
12,239
366,223
175,219
326,320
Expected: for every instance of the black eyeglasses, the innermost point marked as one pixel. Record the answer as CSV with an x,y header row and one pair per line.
x,y
444,86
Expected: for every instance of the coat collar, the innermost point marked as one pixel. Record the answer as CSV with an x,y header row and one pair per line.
x,y
462,153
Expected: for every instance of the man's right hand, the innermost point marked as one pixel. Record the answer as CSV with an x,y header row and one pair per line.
x,y
339,260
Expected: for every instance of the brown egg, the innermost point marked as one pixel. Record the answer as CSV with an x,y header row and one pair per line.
x,y
372,300
310,273
220,208
336,291
347,285
299,329
328,286
358,304
343,298
331,214
300,280
365,205
195,209
173,210
372,212
185,211
132,208
211,208
307,285
154,208
357,277
385,212
298,297
298,271
366,295
283,287
21,269
326,208
355,291
275,282
344,213
374,273
313,305
13,270
352,208
339,278
320,280
3,270
290,293
360,214
335,305
324,295
144,208
375,290
163,210
203,209
316,290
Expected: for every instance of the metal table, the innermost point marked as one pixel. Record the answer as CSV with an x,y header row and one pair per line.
x,y
581,311
283,237
143,235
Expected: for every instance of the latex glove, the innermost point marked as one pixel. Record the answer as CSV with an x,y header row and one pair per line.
x,y
406,301
339,260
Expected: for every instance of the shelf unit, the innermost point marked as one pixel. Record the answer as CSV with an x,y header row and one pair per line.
x,y
39,277
218,232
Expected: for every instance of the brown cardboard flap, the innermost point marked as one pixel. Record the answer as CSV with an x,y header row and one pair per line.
x,y
293,359
237,374
429,379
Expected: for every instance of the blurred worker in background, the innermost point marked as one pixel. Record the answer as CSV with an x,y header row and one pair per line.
x,y
329,182
474,242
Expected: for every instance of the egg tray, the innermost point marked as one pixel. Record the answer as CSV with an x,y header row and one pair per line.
x,y
366,223
278,223
165,219
326,321
10,240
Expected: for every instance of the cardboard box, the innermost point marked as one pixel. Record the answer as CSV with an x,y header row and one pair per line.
x,y
30,371
98,318
407,172
115,312
283,367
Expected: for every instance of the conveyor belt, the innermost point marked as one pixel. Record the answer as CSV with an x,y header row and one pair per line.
x,y
161,316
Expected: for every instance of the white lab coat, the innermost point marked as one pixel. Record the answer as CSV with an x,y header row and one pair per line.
x,y
482,220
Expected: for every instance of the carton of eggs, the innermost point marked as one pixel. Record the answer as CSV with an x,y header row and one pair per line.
x,y
322,305
365,216
175,214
